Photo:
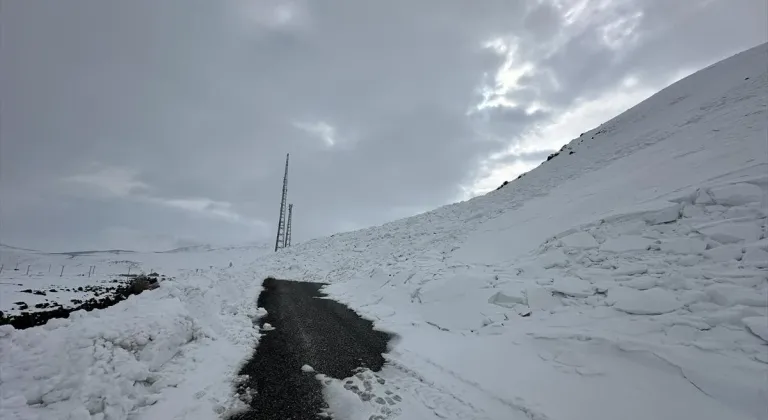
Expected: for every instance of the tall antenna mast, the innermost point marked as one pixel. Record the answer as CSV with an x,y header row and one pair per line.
x,y
280,240
287,242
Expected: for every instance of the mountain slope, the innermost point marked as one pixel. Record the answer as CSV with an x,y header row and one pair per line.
x,y
625,280
644,246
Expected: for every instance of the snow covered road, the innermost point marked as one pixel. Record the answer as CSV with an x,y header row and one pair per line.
x,y
304,335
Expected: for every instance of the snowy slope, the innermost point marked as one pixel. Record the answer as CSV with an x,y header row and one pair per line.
x,y
640,259
624,280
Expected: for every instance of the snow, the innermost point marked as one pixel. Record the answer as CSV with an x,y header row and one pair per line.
x,y
502,305
737,195
307,368
641,283
756,257
541,299
653,301
626,244
732,232
143,352
731,295
683,246
573,287
665,215
758,326
580,240
725,253
509,298
553,258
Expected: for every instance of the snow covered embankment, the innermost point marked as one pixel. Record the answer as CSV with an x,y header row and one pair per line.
x,y
656,301
626,280
110,363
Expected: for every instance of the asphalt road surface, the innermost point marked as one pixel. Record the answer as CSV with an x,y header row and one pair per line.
x,y
309,330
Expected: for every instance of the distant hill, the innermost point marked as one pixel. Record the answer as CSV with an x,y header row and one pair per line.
x,y
15,248
209,247
191,248
96,252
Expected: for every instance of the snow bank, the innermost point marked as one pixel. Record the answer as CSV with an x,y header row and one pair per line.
x,y
135,357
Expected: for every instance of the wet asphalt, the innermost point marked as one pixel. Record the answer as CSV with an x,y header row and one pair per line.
x,y
309,330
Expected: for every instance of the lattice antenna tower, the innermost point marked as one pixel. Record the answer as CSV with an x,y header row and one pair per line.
x,y
287,242
280,240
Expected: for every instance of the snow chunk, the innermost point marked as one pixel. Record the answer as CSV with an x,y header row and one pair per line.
x,y
573,287
642,283
630,270
756,257
267,327
683,246
580,240
665,215
553,258
703,197
539,298
730,295
736,194
691,211
758,325
725,253
626,244
732,232
453,287
654,301
307,369
509,297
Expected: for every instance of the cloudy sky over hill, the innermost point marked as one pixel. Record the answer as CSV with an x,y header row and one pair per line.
x,y
152,125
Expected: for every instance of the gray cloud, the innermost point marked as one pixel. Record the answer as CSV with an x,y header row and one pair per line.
x,y
163,123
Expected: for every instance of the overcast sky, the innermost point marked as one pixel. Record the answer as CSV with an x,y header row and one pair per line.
x,y
154,124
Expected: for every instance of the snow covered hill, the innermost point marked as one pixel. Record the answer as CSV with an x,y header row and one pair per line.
x,y
625,278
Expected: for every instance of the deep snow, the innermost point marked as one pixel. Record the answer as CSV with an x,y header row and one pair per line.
x,y
626,280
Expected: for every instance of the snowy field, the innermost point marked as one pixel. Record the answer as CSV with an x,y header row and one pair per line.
x,y
36,278
624,280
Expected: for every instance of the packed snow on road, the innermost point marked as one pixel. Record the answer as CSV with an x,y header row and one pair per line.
x,y
625,278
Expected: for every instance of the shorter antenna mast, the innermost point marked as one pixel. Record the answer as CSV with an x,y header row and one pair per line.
x,y
288,226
